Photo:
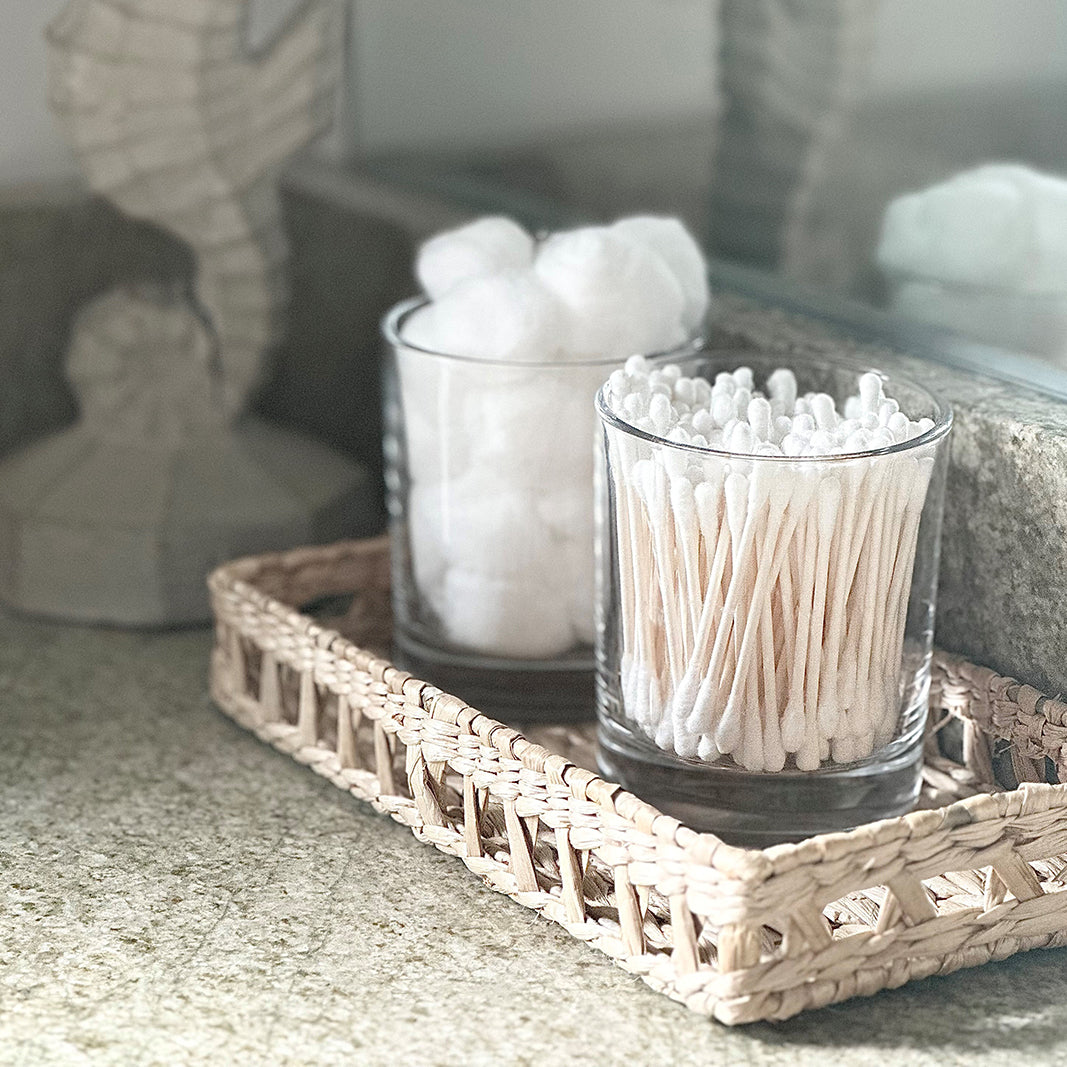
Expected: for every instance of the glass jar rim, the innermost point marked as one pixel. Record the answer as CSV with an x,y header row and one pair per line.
x,y
393,321
942,422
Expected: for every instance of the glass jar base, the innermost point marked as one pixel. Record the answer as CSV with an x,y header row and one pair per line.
x,y
511,690
757,810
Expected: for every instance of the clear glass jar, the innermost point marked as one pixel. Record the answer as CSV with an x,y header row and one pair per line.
x,y
765,623
489,470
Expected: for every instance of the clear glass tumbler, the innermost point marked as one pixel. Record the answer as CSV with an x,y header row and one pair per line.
x,y
765,623
489,470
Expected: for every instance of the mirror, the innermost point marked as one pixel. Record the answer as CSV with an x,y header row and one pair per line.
x,y
781,131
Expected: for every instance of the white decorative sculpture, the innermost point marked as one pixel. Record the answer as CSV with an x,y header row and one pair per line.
x,y
118,518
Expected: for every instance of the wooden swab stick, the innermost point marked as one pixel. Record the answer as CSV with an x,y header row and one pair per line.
x,y
773,749
741,529
778,494
793,722
829,504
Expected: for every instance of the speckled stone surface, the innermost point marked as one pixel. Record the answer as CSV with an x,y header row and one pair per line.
x,y
1003,580
174,892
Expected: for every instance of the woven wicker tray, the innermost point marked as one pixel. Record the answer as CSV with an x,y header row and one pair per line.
x,y
737,934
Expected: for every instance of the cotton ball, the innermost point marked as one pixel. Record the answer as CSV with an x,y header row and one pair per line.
x,y
683,256
511,615
487,524
432,391
506,420
485,246
419,328
425,520
508,316
1049,207
567,512
620,298
974,228
575,579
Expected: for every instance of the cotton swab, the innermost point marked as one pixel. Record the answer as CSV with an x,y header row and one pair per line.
x,y
764,618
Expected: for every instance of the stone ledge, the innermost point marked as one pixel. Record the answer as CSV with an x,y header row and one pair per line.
x,y
1004,548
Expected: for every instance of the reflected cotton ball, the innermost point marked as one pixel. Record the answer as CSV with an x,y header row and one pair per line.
x,y
620,298
674,243
507,316
482,247
975,228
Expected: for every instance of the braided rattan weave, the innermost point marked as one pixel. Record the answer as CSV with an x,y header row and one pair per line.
x,y
734,933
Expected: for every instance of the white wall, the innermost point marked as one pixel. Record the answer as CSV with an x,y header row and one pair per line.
x,y
936,44
465,72
30,147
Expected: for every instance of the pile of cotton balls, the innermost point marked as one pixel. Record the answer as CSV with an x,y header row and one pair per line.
x,y
1000,225
497,376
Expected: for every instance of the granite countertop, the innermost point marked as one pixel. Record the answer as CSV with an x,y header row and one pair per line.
x,y
175,892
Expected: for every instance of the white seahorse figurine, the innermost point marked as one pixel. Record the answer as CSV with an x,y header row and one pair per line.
x,y
119,517
175,122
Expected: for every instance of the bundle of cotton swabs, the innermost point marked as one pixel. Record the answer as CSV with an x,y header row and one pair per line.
x,y
763,601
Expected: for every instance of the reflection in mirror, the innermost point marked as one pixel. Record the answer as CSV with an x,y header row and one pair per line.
x,y
792,135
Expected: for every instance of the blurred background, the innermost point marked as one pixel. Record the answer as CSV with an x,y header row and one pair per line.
x,y
778,130
614,105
